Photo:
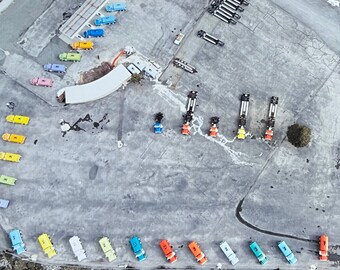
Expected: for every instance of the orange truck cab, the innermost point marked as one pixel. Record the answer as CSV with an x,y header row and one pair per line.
x,y
186,129
323,252
196,250
15,138
167,250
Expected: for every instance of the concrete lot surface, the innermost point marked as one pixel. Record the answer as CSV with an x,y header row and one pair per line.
x,y
171,186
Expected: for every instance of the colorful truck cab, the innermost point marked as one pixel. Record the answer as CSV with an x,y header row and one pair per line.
x,y
7,180
197,252
77,248
255,248
94,33
167,250
75,57
105,244
287,252
55,68
15,138
137,248
18,244
82,45
115,7
4,203
323,247
12,157
40,81
47,245
105,20
17,119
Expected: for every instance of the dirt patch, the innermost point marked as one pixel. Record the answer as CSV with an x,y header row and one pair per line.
x,y
95,73
9,262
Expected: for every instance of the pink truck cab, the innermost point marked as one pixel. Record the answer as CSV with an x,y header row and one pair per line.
x,y
40,81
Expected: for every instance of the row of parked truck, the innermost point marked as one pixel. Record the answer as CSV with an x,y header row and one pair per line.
x,y
214,121
48,248
79,45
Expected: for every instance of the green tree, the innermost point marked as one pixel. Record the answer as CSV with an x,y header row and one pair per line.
x,y
299,135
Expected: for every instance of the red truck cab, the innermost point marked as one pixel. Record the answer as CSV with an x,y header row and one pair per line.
x,y
323,252
196,250
167,250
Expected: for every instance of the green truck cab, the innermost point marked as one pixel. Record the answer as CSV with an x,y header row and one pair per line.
x,y
7,180
75,57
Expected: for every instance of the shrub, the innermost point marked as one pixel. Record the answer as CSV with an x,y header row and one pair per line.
x,y
299,135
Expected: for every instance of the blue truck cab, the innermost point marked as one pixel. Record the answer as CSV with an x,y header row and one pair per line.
x,y
115,7
55,68
17,242
158,128
137,248
287,252
255,248
105,20
94,33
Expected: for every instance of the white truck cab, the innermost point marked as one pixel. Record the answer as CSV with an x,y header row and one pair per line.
x,y
229,253
77,248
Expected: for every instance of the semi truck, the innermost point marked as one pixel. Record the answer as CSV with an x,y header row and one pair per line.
x,y
18,119
82,45
197,252
190,109
261,257
167,250
241,133
210,38
268,136
106,246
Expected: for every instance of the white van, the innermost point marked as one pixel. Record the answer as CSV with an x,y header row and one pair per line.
x,y
77,248
229,253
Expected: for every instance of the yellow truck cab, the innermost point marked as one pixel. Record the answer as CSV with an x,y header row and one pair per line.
x,y
47,245
84,45
10,157
15,138
105,244
18,119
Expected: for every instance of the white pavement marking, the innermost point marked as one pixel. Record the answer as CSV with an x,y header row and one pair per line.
x,y
174,101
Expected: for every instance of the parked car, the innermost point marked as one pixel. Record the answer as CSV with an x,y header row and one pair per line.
x,y
199,255
47,245
4,203
77,248
229,253
255,248
18,119
18,244
84,45
94,33
287,252
115,7
137,248
109,252
10,156
15,138
40,81
7,180
55,68
323,250
179,38
105,20
167,250
75,57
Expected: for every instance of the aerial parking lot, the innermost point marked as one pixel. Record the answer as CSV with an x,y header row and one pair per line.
x,y
98,169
